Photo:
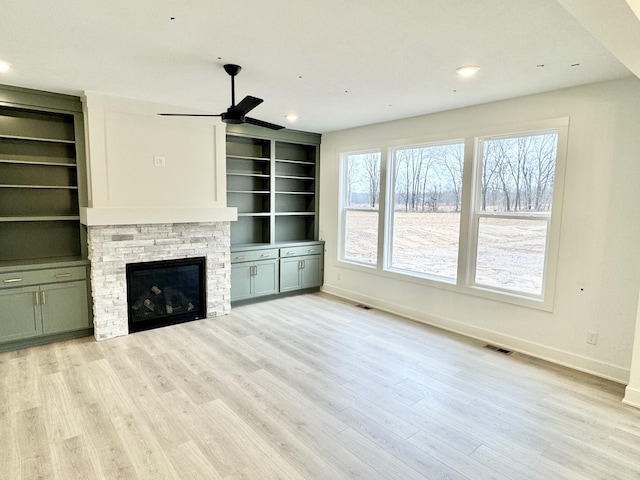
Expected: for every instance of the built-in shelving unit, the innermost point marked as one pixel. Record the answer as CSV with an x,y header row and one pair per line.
x,y
39,192
44,295
271,179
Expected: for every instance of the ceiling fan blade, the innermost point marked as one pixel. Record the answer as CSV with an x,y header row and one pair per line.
x,y
262,123
248,103
189,115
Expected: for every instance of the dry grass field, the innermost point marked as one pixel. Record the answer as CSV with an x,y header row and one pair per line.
x,y
511,252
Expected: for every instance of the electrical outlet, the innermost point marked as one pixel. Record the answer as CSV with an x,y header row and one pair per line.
x,y
159,161
592,338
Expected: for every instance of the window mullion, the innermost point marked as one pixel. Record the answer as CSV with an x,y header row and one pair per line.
x,y
387,194
468,221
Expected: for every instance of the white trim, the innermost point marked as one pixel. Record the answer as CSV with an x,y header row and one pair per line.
x,y
468,225
559,357
631,397
134,216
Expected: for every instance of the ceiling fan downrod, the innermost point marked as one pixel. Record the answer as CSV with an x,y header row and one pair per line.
x,y
232,70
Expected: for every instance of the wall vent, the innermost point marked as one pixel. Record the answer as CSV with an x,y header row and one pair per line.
x,y
365,307
504,351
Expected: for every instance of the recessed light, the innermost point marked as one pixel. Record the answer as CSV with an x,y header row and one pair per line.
x,y
4,66
467,70
291,117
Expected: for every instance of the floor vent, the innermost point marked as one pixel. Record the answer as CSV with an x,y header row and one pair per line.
x,y
504,351
365,307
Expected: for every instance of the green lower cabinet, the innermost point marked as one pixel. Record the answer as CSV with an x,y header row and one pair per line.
x,y
300,272
64,307
254,279
43,310
41,305
21,316
278,268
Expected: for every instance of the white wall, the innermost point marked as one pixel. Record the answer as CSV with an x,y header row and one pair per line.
x,y
598,276
124,139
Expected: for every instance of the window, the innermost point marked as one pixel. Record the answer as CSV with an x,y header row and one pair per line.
x,y
425,209
513,210
478,215
360,202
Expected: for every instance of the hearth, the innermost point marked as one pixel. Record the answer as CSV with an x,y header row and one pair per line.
x,y
165,292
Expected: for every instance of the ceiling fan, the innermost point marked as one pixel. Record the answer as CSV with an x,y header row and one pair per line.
x,y
235,113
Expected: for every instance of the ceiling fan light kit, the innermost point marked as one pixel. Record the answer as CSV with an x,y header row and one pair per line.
x,y
235,114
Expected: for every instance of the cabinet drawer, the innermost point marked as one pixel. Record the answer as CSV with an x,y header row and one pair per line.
x,y
34,277
253,255
299,251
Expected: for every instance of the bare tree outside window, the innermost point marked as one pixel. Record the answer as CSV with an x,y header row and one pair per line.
x,y
426,208
360,213
516,194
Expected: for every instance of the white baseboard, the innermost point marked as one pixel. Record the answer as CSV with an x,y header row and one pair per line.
x,y
559,357
631,397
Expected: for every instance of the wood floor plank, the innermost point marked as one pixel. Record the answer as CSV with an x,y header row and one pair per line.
x,y
190,462
398,447
61,416
306,387
73,459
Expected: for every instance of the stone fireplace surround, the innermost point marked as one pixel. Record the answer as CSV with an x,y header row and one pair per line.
x,y
111,247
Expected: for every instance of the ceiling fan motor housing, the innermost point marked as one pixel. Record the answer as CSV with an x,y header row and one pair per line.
x,y
233,116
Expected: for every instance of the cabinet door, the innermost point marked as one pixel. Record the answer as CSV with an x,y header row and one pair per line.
x,y
290,274
20,317
265,278
311,272
64,307
241,280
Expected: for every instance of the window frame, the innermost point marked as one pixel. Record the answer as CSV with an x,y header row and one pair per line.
x,y
467,246
390,209
343,209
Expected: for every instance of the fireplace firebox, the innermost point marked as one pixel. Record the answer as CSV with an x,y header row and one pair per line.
x,y
165,292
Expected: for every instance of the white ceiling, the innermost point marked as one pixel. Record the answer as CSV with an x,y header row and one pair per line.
x,y
336,63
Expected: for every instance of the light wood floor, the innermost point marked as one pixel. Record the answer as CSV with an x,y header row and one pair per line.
x,y
306,387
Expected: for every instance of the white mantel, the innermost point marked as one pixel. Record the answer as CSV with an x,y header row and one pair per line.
x,y
134,216
143,168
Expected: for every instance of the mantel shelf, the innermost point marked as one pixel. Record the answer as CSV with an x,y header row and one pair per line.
x,y
139,216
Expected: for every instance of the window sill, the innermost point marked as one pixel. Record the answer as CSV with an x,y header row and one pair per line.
x,y
450,285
